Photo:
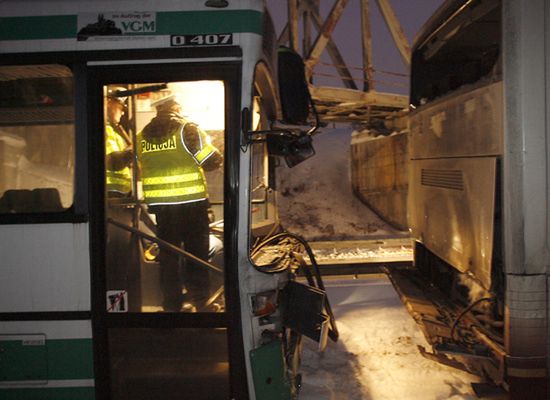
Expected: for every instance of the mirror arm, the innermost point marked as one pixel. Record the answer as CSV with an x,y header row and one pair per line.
x,y
316,115
253,135
250,137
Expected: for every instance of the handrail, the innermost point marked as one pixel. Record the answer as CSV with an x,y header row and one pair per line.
x,y
166,245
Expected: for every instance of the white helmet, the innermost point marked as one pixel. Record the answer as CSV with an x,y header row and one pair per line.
x,y
113,93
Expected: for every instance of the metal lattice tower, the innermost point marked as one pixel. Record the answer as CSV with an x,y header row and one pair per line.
x,y
348,103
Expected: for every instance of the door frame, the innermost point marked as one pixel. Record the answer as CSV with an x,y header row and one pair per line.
x,y
152,70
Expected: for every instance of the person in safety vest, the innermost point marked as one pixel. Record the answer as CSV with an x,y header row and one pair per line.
x,y
118,150
120,265
173,154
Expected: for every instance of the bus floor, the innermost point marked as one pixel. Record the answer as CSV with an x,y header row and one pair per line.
x,y
376,357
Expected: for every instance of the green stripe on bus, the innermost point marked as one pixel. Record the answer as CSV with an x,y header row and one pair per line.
x,y
68,393
197,22
167,23
70,359
58,359
28,28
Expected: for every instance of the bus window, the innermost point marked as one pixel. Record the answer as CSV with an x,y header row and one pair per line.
x,y
37,137
169,137
466,49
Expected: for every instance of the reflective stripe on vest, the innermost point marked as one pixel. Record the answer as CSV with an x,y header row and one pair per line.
x,y
158,180
204,153
206,149
174,192
117,182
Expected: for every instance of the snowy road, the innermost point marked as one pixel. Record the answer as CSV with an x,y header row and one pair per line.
x,y
316,200
376,357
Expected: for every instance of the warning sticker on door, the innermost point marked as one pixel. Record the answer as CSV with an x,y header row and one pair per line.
x,y
117,301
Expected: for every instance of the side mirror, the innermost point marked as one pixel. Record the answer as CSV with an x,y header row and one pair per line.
x,y
292,144
294,149
293,90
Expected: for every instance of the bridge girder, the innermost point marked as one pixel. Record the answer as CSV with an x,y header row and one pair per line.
x,y
346,103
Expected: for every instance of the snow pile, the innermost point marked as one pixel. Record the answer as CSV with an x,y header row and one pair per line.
x,y
361,254
315,197
376,356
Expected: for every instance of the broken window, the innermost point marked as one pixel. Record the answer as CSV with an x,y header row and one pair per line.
x,y
464,49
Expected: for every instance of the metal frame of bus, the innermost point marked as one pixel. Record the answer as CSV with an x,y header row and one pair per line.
x,y
509,198
244,65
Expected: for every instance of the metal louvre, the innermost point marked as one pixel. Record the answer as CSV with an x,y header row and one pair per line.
x,y
456,225
447,179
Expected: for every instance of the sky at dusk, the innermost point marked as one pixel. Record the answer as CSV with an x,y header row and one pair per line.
x,y
412,14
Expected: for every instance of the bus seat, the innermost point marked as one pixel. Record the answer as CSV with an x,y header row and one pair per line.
x,y
16,201
47,200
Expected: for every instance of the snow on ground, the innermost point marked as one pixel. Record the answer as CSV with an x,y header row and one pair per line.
x,y
376,357
315,197
361,252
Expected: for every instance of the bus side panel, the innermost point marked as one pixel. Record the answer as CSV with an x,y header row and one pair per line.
x,y
45,267
46,360
468,123
455,143
452,211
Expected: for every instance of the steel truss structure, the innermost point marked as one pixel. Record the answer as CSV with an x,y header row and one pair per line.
x,y
347,103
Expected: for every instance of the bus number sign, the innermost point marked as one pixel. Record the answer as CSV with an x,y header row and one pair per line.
x,y
213,39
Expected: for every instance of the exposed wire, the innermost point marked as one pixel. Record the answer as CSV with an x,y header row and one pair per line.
x,y
463,313
279,266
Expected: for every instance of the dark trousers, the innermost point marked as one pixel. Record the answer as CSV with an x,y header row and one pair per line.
x,y
185,224
122,257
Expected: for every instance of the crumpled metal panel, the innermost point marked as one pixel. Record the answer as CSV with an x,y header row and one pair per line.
x,y
452,205
468,123
455,143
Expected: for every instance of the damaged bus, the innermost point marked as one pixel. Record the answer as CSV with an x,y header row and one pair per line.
x,y
478,190
81,287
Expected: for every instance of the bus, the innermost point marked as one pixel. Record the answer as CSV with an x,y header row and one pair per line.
x,y
478,185
81,284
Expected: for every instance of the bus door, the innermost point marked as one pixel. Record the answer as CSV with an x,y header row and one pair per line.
x,y
164,167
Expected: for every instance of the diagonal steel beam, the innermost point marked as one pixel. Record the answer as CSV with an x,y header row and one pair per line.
x,y
366,41
334,53
324,35
295,8
306,30
284,36
293,19
396,31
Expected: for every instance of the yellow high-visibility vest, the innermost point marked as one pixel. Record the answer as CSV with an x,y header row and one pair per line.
x,y
170,173
121,180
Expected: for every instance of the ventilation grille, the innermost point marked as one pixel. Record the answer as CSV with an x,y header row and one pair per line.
x,y
447,179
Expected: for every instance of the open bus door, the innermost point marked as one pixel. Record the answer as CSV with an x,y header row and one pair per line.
x,y
82,311
145,350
